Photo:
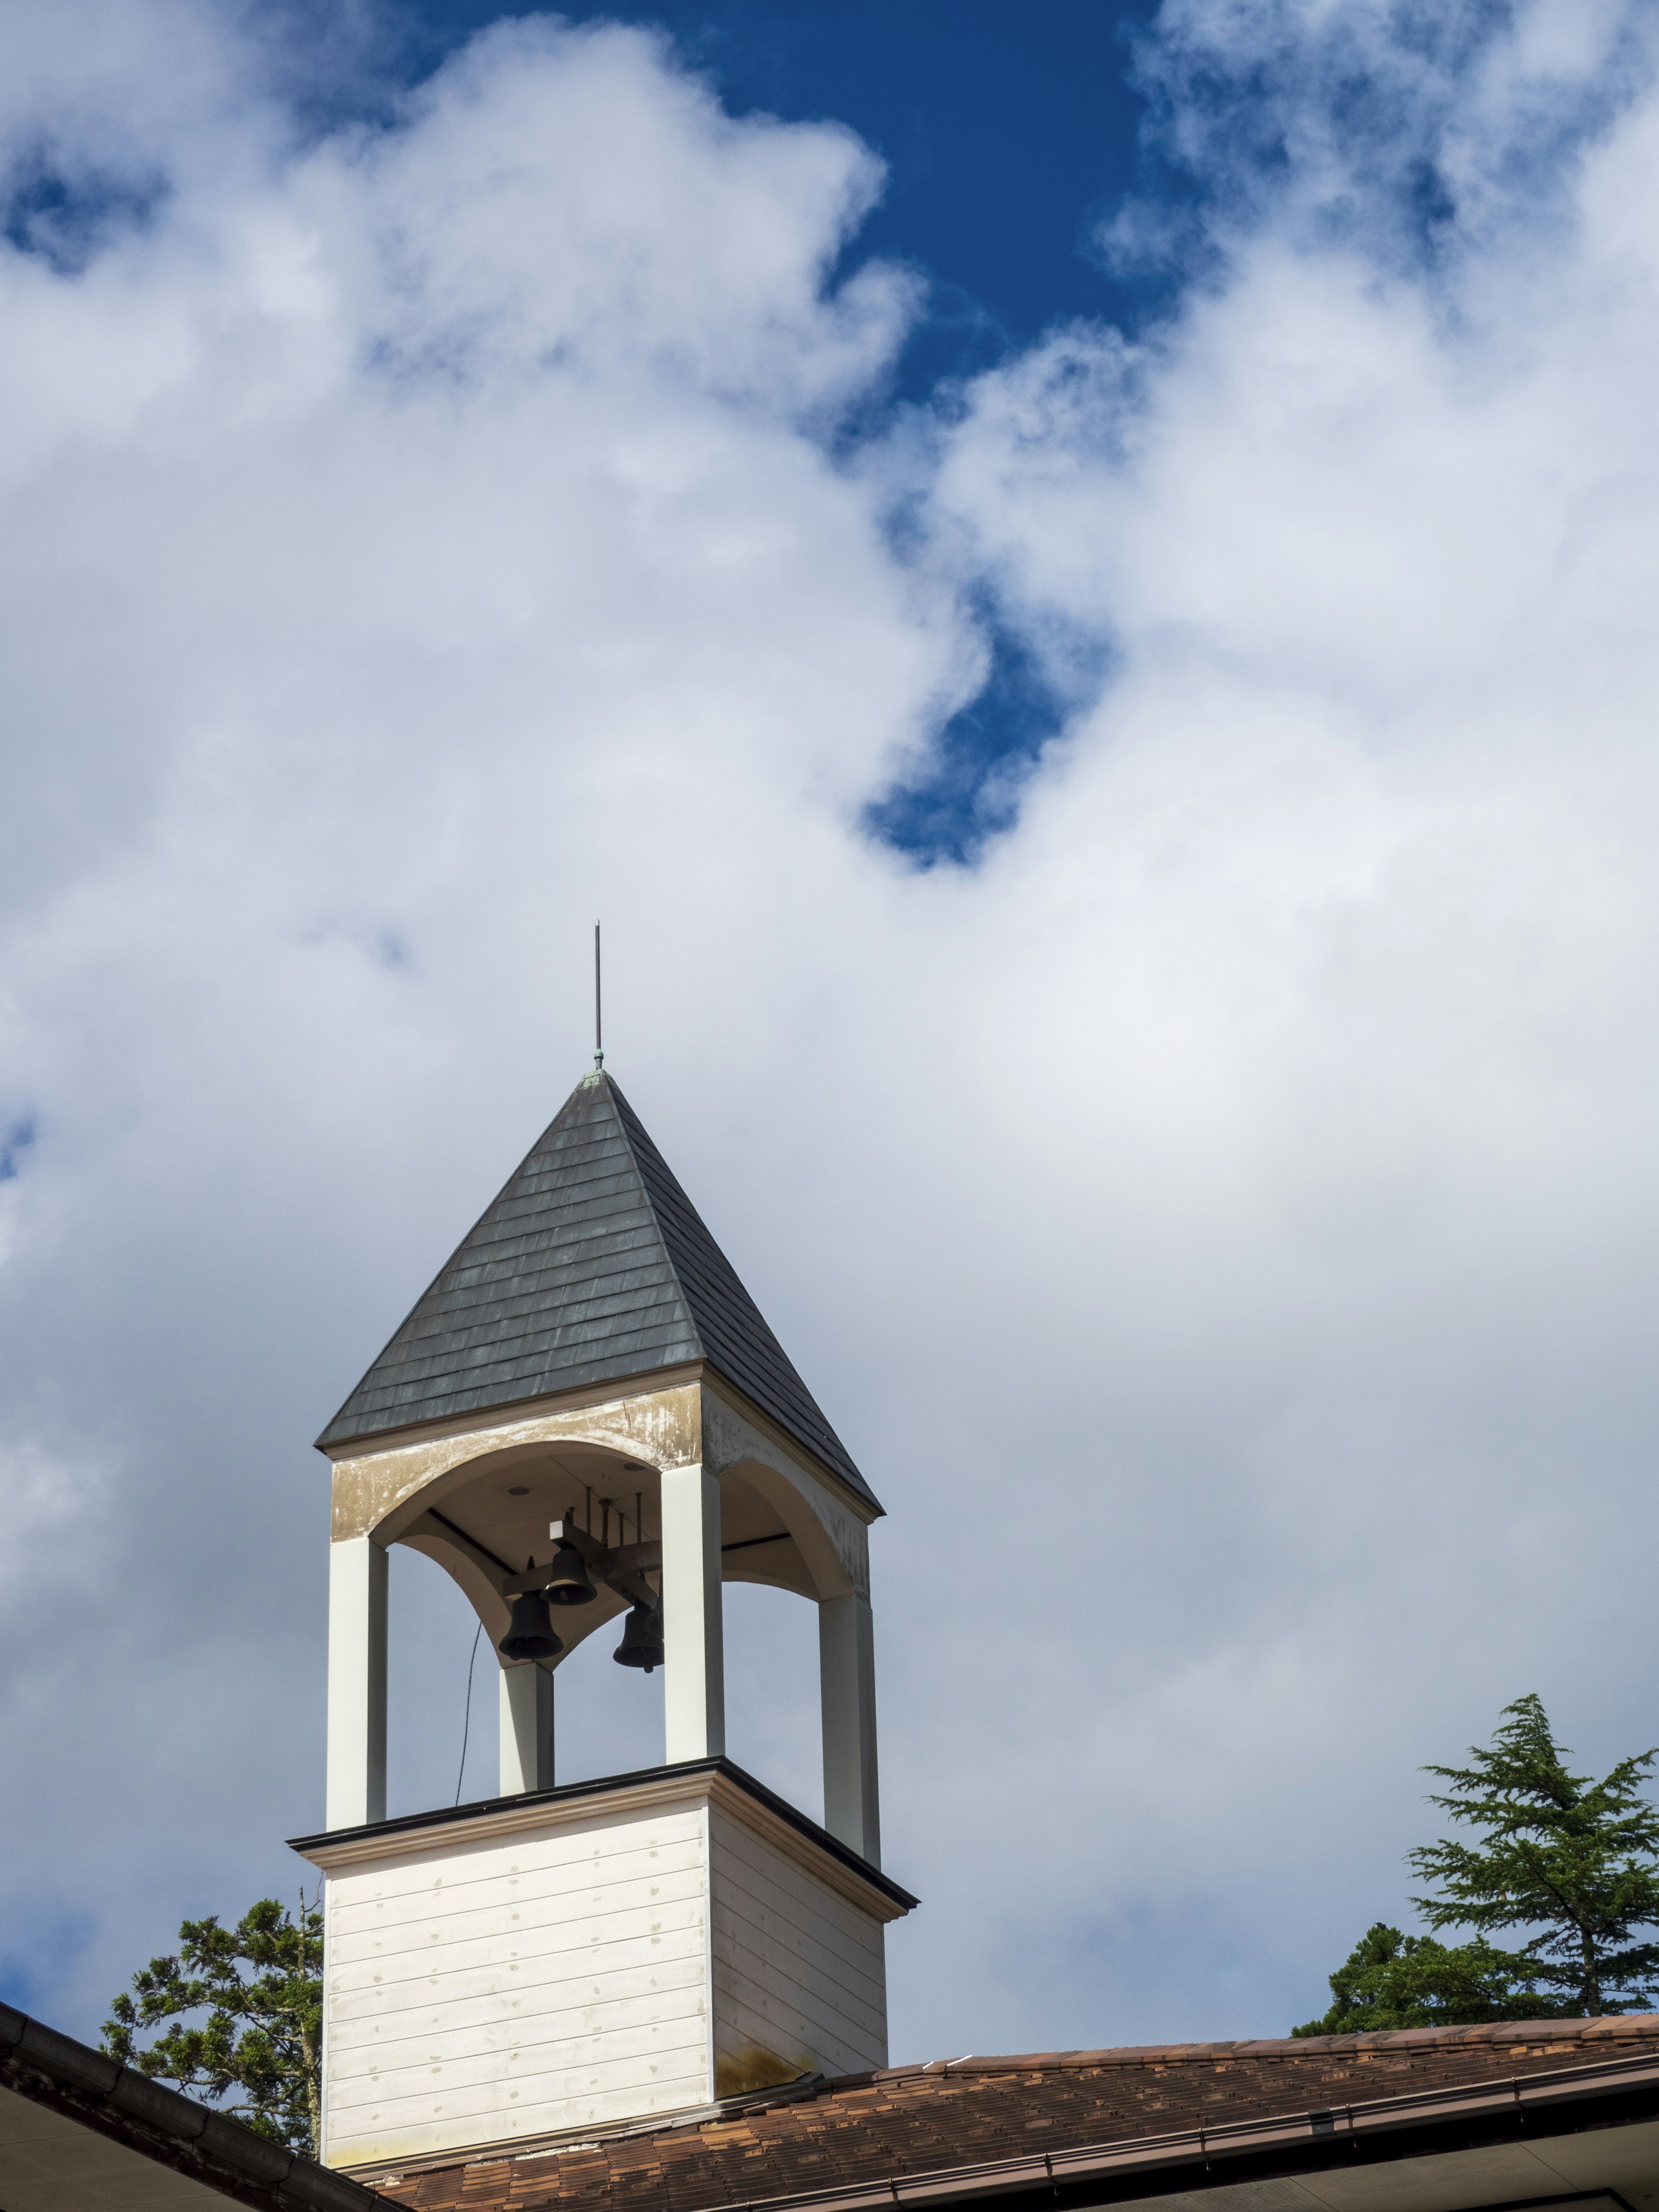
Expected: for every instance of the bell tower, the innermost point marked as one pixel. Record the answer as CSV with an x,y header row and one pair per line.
x,y
586,1421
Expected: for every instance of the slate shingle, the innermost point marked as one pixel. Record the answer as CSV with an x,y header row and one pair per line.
x,y
590,1264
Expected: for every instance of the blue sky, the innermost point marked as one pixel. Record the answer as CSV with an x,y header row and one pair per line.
x,y
1010,138
1007,133
1122,805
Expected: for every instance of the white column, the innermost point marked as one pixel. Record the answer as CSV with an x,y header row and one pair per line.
x,y
847,1681
694,1667
526,1730
356,1683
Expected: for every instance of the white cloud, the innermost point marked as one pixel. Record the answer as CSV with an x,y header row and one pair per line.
x,y
1227,1212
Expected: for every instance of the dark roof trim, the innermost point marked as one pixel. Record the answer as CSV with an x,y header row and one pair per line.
x,y
569,1792
1421,2124
114,2100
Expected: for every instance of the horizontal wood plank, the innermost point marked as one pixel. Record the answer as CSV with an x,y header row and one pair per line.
x,y
741,1923
498,2003
379,2140
551,1920
386,1995
359,1906
792,1961
519,1987
592,2058
816,1908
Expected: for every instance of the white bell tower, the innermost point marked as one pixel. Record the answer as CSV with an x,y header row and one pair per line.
x,y
587,1385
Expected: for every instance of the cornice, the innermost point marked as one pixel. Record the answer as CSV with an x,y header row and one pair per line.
x,y
719,1782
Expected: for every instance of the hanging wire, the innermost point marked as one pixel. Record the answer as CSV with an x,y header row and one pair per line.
x,y
466,1721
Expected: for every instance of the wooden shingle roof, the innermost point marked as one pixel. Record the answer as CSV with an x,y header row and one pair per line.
x,y
1076,2127
591,1264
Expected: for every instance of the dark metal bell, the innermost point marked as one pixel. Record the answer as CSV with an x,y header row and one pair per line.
x,y
641,1643
568,1581
530,1633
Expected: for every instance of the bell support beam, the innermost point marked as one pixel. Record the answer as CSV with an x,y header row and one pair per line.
x,y
694,1691
846,1682
526,1730
357,1682
608,1567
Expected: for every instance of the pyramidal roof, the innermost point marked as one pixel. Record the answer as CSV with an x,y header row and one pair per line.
x,y
591,1264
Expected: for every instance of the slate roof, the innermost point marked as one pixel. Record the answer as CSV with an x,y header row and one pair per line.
x,y
1079,2126
591,1264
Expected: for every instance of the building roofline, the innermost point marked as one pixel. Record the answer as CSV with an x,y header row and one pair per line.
x,y
117,2101
1331,2134
1300,2131
1232,2151
1610,2027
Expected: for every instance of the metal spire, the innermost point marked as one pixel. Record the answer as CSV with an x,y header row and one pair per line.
x,y
599,1033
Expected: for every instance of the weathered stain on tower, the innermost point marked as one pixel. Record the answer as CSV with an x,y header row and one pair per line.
x,y
587,1386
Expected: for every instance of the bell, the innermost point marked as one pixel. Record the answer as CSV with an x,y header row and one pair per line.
x,y
530,1633
568,1582
641,1643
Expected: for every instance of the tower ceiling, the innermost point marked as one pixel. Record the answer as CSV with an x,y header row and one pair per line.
x,y
591,1264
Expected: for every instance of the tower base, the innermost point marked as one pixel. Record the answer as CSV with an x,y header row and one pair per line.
x,y
582,1957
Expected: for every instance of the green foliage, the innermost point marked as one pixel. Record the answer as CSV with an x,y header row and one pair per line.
x,y
263,2031
1559,1852
1575,1860
1391,1980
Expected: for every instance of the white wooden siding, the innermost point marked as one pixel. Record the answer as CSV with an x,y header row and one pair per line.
x,y
480,1991
494,1985
798,1970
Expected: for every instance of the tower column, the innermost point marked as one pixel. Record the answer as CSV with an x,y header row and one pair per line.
x,y
694,1666
846,1682
357,1682
526,1730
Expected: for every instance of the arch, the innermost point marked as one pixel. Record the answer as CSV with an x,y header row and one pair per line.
x,y
477,1500
822,1565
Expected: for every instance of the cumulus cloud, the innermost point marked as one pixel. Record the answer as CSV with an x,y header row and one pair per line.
x,y
1220,1219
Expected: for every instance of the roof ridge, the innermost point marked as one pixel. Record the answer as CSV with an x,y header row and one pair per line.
x,y
625,1115
1642,2026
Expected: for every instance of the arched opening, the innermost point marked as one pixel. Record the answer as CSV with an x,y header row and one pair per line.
x,y
772,1704
791,1700
432,1631
608,1719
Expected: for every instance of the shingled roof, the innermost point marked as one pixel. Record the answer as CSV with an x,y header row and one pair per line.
x,y
1087,2127
591,1264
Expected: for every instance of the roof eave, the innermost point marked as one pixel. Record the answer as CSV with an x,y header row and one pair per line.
x,y
864,1503
639,1384
98,2093
1427,2125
